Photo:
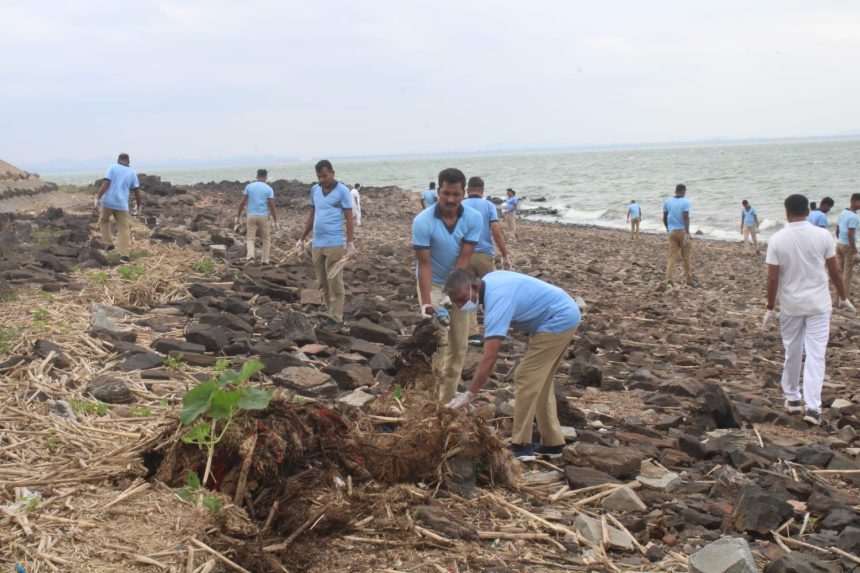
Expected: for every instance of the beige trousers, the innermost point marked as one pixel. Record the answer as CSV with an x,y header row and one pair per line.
x,y
332,289
534,389
481,264
676,248
123,232
634,226
845,258
259,222
511,226
448,363
750,233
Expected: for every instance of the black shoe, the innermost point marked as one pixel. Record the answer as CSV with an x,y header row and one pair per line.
x,y
110,249
476,340
793,406
332,325
125,259
812,417
550,452
523,452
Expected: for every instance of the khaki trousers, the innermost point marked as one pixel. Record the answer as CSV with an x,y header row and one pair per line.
x,y
332,289
123,233
534,389
845,258
634,226
750,232
511,226
481,264
676,248
259,222
448,363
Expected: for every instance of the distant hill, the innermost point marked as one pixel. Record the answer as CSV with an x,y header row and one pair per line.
x,y
14,181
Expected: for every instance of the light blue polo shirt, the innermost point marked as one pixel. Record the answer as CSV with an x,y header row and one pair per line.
x,y
634,210
676,207
490,214
848,220
429,231
122,180
328,215
818,218
511,205
431,197
749,216
258,194
526,304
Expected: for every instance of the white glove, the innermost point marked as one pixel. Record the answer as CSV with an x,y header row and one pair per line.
x,y
97,202
506,263
300,244
275,226
427,310
846,304
769,317
138,211
460,400
236,221
350,250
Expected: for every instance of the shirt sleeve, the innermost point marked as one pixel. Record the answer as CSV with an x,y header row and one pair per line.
x,y
135,184
109,173
270,194
345,198
312,196
772,256
687,206
473,229
830,246
420,233
854,223
498,314
246,190
666,206
492,212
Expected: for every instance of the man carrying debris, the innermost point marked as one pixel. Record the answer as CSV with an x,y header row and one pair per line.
x,y
444,237
550,317
483,259
112,201
800,256
429,197
331,205
260,199
676,219
818,217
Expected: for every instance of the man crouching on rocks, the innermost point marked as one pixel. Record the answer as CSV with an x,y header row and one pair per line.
x,y
550,316
444,236
800,256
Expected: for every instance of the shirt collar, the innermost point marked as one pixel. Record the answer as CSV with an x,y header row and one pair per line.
x,y
438,213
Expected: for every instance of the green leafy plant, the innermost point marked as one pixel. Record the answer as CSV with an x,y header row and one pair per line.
x,y
131,272
205,266
140,411
397,392
192,491
45,295
174,362
41,318
81,406
217,401
97,276
31,500
8,335
10,296
52,443
221,365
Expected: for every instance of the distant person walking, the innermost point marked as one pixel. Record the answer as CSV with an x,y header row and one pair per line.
x,y
634,216
429,197
112,201
749,226
846,247
800,256
511,214
483,260
676,219
260,199
356,204
818,217
331,206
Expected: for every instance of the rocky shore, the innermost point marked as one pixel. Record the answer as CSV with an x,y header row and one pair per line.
x,y
680,454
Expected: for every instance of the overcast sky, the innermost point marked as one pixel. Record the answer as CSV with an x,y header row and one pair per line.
x,y
208,79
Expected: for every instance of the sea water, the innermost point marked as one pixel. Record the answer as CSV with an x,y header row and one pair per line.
x,y
595,187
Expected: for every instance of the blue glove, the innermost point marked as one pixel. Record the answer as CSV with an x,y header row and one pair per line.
x,y
442,314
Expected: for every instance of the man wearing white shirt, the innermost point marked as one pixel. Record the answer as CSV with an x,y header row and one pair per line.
x,y
356,204
800,257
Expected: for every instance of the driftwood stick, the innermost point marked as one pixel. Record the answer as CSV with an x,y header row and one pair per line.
x,y
224,559
299,530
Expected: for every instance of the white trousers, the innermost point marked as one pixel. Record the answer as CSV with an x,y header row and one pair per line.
x,y
809,335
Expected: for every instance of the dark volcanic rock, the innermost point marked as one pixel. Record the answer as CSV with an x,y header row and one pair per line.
x,y
434,518
168,345
759,512
620,462
213,338
373,332
796,562
298,328
143,361
587,477
110,390
814,455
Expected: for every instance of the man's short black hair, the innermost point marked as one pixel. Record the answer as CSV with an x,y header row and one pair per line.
x,y
452,175
855,197
475,183
262,173
358,185
122,157
680,188
323,164
745,202
812,206
509,190
432,185
827,201
797,205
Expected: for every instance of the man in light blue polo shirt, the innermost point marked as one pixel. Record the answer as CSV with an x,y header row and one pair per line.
x,y
260,199
444,237
484,258
846,242
818,217
676,219
511,214
331,205
749,225
634,216
550,317
429,197
112,200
